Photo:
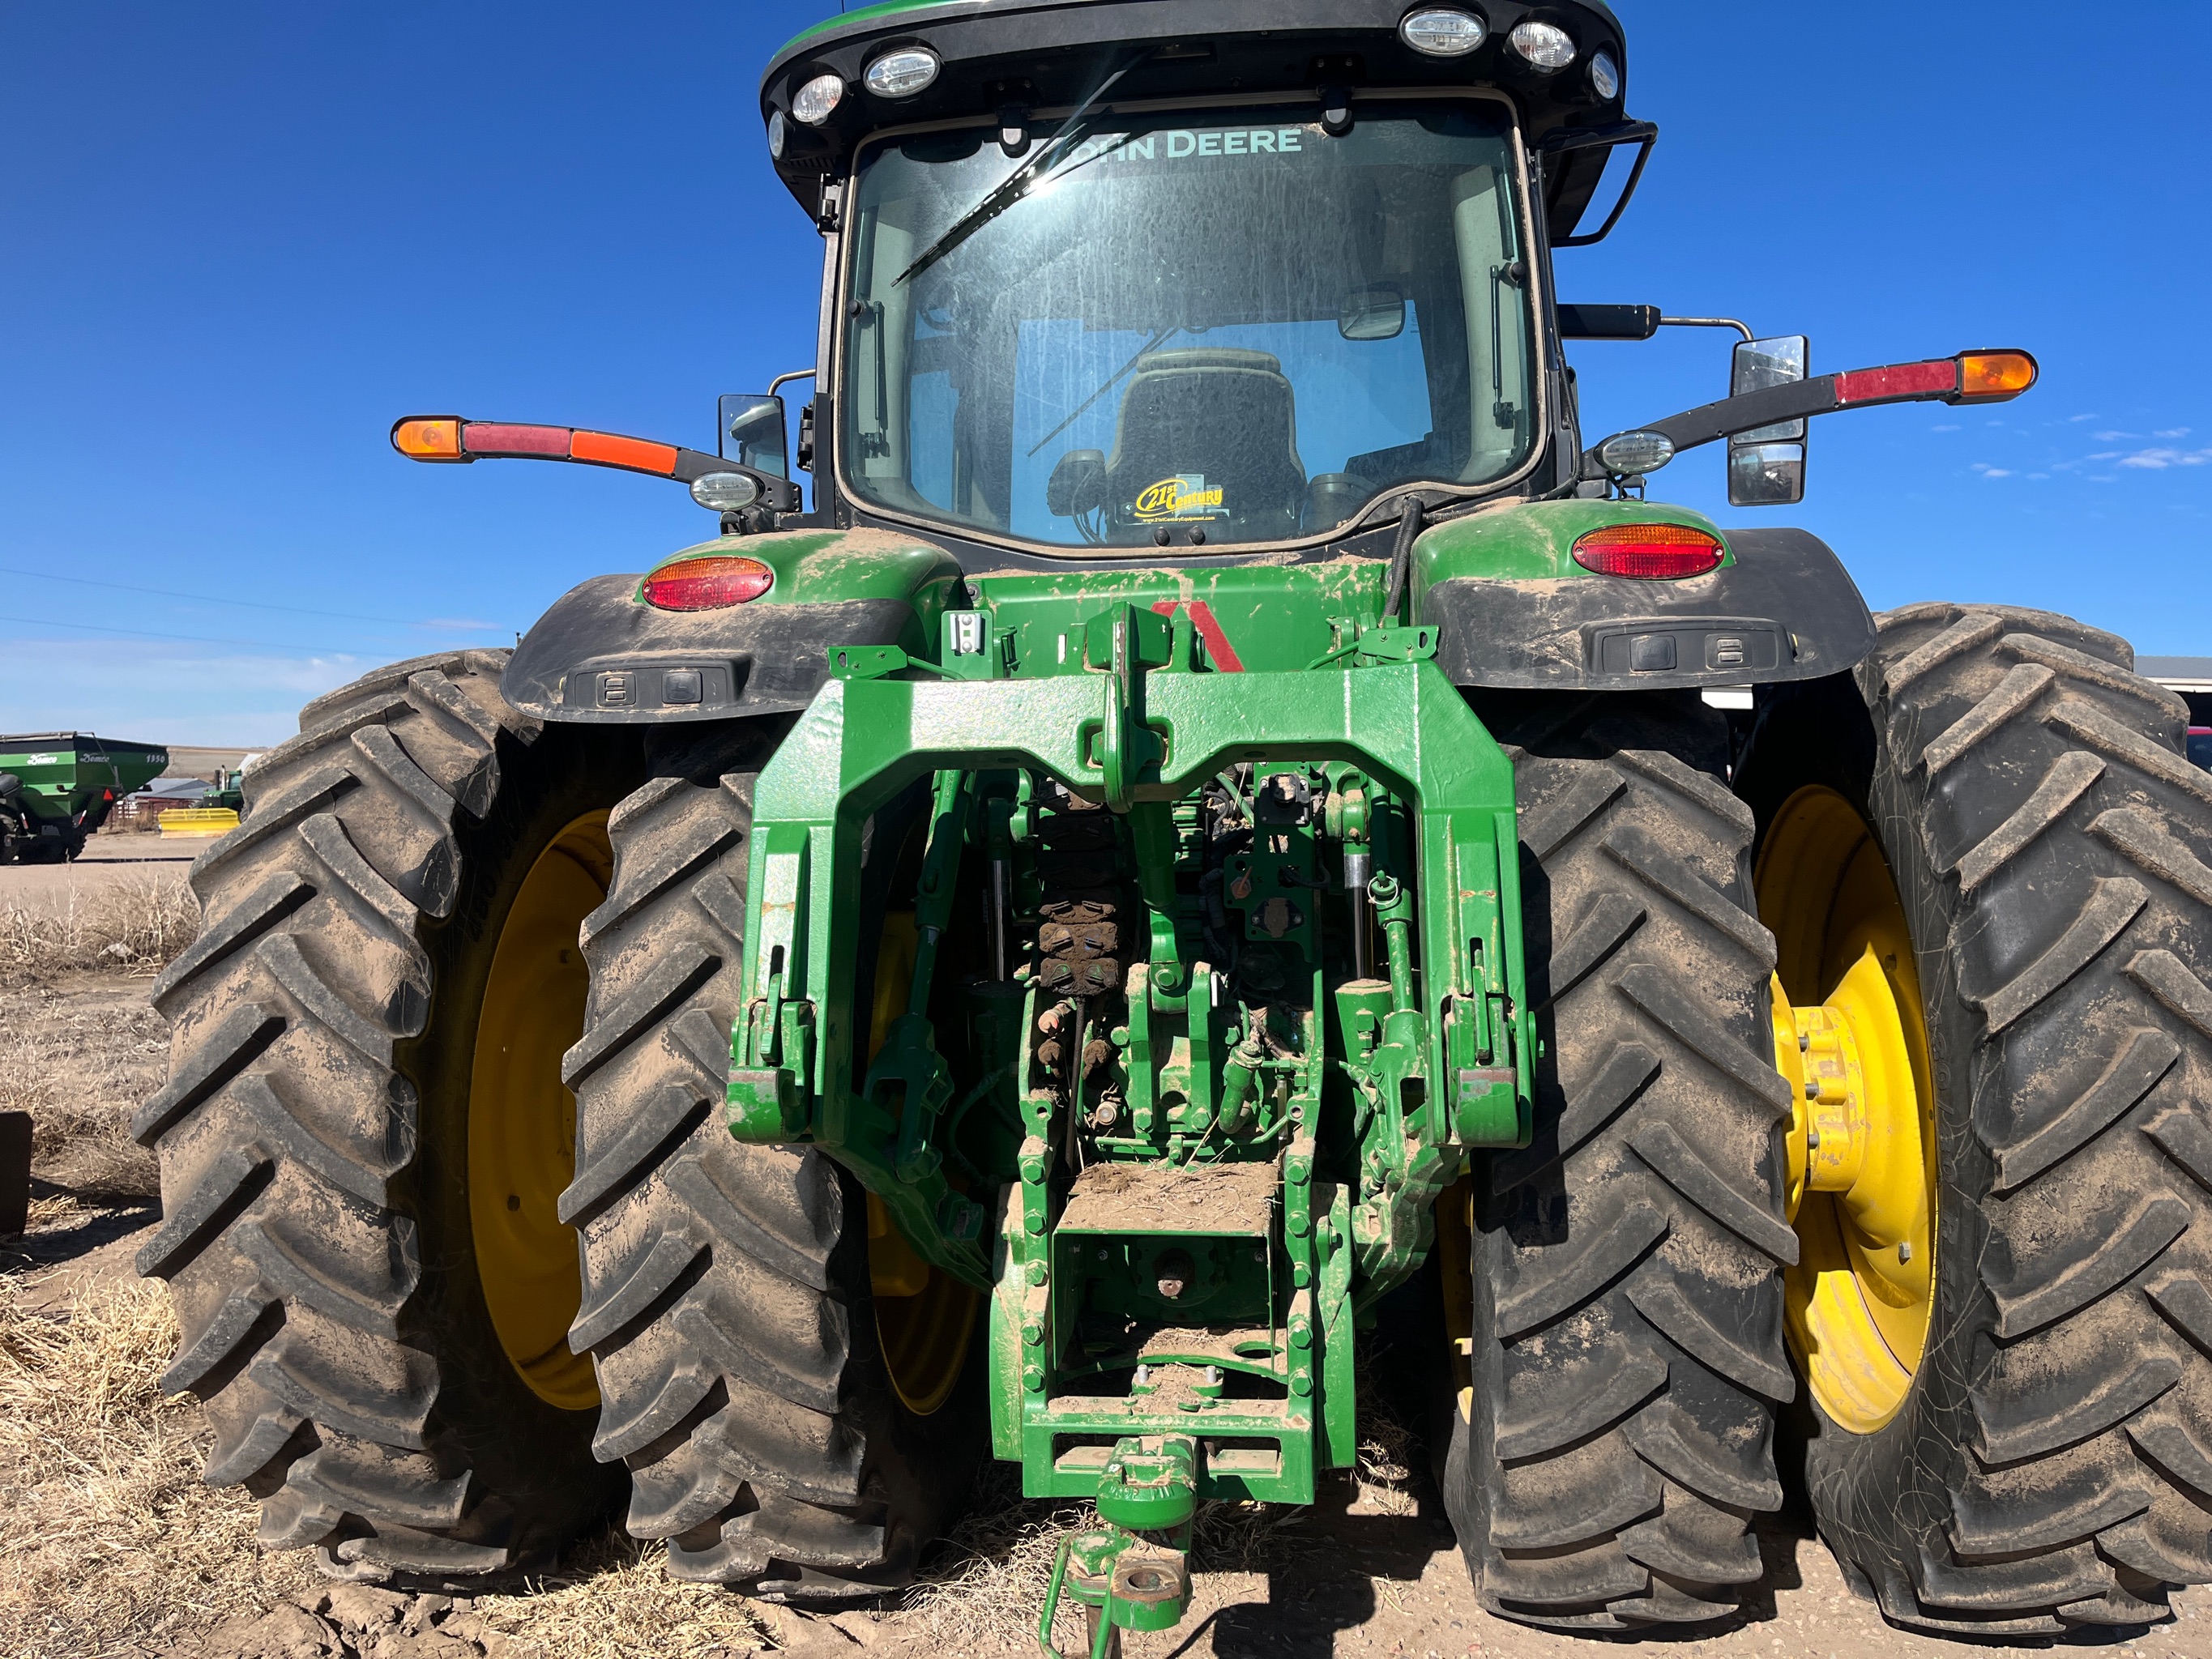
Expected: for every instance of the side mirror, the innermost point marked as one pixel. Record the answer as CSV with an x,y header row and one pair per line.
x,y
1766,467
1376,312
1077,483
750,424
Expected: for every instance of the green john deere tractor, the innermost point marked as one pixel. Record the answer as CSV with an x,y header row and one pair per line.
x,y
1216,841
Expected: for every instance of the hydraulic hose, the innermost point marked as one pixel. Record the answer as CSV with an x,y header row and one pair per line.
x,y
1401,555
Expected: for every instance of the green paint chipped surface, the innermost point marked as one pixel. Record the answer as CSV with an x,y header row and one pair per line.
x,y
1534,541
826,567
1275,618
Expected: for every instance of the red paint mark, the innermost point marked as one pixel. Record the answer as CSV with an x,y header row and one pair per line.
x,y
1219,651
1861,385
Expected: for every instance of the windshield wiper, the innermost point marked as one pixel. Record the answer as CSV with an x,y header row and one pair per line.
x,y
1011,189
1143,352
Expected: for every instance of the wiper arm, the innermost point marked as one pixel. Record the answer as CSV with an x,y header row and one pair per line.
x,y
1143,352
1009,190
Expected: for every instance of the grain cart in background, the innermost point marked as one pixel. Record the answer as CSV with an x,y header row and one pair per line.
x,y
1206,843
56,788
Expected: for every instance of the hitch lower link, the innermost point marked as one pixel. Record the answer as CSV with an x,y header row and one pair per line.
x,y
1133,1572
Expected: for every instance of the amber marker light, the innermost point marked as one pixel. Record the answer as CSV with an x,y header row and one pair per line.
x,y
1647,552
1990,376
429,438
707,583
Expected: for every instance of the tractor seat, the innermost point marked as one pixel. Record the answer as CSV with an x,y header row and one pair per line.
x,y
1221,419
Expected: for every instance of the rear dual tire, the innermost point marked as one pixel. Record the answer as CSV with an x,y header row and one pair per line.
x,y
2001,784
371,1174
2047,1468
313,1136
1615,1439
728,1303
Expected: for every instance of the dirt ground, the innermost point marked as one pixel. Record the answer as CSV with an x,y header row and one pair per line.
x,y
111,1546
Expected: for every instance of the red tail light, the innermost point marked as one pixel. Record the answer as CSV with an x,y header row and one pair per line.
x,y
708,584
1649,552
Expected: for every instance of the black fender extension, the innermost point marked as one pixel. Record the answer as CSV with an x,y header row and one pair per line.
x,y
599,656
1786,610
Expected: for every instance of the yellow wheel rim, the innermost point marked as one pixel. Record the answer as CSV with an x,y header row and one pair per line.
x,y
1849,1036
923,1317
522,1121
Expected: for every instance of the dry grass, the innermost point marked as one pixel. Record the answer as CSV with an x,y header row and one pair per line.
x,y
112,1542
136,924
80,1063
984,1587
613,1600
1387,1450
113,1545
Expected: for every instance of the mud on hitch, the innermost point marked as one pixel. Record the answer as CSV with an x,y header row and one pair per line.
x,y
1247,994
1133,1572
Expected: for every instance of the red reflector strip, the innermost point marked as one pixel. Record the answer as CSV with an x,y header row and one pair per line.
x,y
1219,651
608,449
1863,385
484,438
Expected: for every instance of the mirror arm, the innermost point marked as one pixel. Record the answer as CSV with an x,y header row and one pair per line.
x,y
1937,380
1741,328
1590,322
452,439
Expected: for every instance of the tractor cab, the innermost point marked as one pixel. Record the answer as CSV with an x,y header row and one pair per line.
x,y
1093,287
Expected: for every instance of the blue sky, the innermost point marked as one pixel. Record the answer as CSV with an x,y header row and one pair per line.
x,y
236,242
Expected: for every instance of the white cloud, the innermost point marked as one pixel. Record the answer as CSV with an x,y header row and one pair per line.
x,y
2073,419
2113,437
1950,426
2157,460
1989,472
2173,432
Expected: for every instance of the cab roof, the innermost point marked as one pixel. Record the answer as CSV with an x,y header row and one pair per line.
x,y
1051,55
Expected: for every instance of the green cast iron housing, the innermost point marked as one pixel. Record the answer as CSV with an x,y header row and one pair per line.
x,y
1325,1123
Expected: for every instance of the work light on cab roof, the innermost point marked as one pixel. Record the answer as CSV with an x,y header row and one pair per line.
x,y
902,73
1442,33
